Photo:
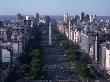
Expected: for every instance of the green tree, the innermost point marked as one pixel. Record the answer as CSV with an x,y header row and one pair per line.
x,y
72,55
65,45
35,53
82,70
35,68
57,36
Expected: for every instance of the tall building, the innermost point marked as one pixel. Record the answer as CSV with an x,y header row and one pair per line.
x,y
77,36
69,30
19,16
1,24
96,50
102,53
87,17
37,18
107,65
47,19
66,17
27,17
3,35
82,16
87,39
92,17
37,15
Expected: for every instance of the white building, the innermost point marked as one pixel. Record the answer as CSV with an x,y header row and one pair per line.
x,y
5,56
65,17
107,62
71,32
87,39
91,51
27,17
60,26
3,35
77,36
92,17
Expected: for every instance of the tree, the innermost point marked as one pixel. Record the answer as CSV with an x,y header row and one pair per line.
x,y
65,45
57,36
72,55
35,68
35,53
82,70
35,64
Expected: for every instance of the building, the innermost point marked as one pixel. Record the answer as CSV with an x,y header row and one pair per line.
x,y
87,40
3,35
66,17
61,26
70,33
92,17
47,19
37,18
5,56
102,54
91,52
27,17
107,62
82,16
77,36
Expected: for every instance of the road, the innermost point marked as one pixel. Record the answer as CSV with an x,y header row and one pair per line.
x,y
56,66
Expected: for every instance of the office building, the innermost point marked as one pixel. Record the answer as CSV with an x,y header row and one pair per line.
x,y
66,17
82,16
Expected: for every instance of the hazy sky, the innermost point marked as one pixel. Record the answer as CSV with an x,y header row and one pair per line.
x,y
54,7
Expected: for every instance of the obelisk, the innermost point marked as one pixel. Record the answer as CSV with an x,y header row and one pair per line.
x,y
50,37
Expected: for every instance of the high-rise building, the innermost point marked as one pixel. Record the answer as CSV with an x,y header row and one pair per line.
x,y
102,55
47,19
1,24
87,17
107,65
96,50
37,17
77,36
19,16
92,17
65,17
27,17
82,16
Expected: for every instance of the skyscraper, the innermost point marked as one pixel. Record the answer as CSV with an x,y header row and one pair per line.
x,y
82,16
65,17
37,17
92,17
19,16
47,19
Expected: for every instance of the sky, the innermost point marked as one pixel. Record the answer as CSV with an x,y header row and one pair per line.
x,y
55,7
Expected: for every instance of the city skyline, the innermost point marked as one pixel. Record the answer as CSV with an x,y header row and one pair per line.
x,y
56,7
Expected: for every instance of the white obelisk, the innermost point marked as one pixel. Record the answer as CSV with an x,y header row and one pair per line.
x,y
50,38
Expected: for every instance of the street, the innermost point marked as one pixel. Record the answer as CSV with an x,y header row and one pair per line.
x,y
56,66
